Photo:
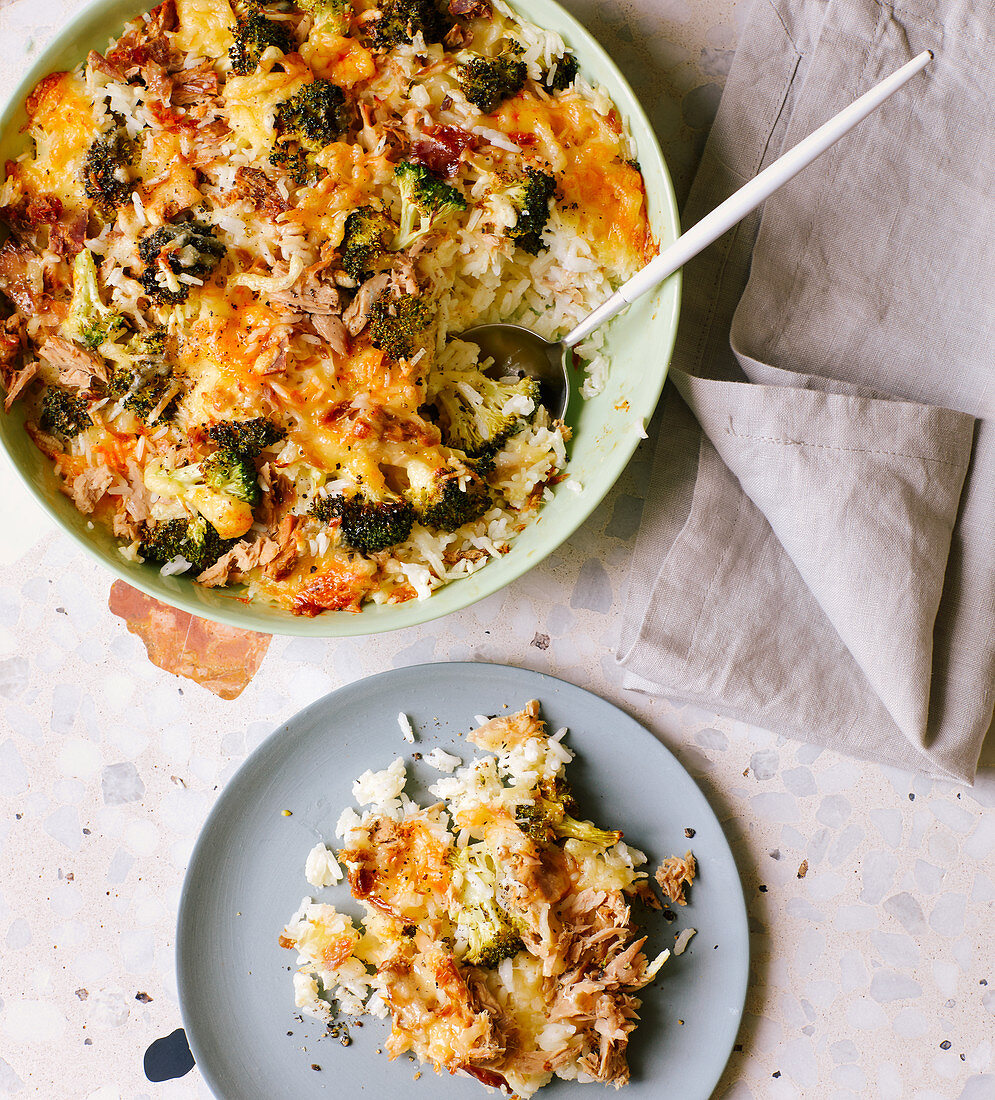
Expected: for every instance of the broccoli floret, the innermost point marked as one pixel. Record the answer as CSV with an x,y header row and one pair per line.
x,y
107,171
489,81
482,463
531,198
315,116
90,322
219,504
233,474
147,395
549,817
173,250
245,438
312,118
479,427
142,386
364,241
296,162
396,323
63,414
149,345
446,498
232,468
425,199
401,20
489,932
367,525
565,74
334,14
196,540
253,34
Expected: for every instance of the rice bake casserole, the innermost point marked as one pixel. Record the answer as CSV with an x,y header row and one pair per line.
x,y
241,245
497,932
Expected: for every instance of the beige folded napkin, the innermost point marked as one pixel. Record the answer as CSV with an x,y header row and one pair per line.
x,y
817,553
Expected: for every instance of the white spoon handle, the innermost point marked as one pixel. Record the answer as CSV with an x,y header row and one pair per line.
x,y
747,198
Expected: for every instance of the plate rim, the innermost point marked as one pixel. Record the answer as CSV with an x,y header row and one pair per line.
x,y
184,916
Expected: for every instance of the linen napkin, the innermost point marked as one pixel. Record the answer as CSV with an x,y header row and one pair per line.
x,y
817,552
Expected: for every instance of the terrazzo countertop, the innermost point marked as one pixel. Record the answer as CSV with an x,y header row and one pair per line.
x,y
871,892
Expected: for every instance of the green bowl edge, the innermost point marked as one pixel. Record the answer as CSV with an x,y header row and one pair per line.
x,y
89,28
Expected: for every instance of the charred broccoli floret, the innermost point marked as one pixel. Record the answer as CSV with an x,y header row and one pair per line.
x,y
489,81
563,75
245,437
63,414
396,323
254,33
147,395
107,171
446,498
232,468
367,232
90,322
425,199
298,163
549,817
195,540
170,251
367,525
143,386
531,197
489,932
150,345
401,20
315,116
312,118
477,414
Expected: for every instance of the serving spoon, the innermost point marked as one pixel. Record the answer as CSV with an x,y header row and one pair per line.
x,y
519,351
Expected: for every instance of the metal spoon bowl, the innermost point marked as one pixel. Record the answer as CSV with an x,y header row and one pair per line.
x,y
518,350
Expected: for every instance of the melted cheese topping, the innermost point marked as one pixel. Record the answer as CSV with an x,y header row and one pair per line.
x,y
186,145
343,61
252,100
606,207
61,123
205,27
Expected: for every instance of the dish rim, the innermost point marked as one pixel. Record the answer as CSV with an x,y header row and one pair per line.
x,y
241,613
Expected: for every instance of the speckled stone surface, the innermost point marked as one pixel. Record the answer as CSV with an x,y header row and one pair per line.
x,y
871,892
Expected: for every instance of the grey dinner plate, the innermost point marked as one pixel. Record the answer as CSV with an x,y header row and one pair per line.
x,y
246,878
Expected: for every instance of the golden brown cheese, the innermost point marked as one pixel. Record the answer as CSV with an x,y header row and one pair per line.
x,y
602,194
61,122
337,582
252,99
204,27
343,61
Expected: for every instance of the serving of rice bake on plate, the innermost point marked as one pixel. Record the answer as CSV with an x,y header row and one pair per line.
x,y
243,242
497,932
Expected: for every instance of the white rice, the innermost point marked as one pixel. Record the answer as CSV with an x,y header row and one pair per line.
x,y
442,761
683,938
175,567
321,867
381,790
